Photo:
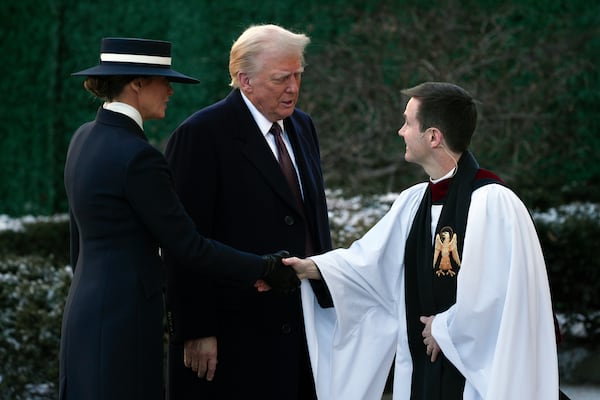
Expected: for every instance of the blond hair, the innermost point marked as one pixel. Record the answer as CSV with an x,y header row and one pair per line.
x,y
261,39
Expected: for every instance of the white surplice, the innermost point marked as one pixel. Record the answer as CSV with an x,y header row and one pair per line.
x,y
499,333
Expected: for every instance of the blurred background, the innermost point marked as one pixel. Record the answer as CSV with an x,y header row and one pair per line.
x,y
532,65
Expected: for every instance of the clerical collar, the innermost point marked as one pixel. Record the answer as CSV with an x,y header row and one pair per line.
x,y
439,187
125,109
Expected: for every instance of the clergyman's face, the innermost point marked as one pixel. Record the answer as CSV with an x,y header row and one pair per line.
x,y
417,147
274,90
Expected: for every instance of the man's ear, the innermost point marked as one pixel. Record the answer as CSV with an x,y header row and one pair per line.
x,y
436,137
245,83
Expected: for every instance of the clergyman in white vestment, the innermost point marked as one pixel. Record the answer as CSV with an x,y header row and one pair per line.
x,y
451,281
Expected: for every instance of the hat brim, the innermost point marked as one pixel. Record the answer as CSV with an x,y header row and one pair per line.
x,y
135,70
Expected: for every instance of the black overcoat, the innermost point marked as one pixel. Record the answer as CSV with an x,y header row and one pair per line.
x,y
123,206
231,184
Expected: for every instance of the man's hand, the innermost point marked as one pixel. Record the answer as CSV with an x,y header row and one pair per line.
x,y
262,286
433,349
201,356
277,276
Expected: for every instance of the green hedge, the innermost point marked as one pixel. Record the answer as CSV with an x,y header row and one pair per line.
x,y
532,64
43,42
568,241
48,239
34,280
32,296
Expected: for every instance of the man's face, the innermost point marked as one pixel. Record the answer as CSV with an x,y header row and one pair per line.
x,y
275,88
417,145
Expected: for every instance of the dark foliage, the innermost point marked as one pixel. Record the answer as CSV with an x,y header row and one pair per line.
x,y
532,65
32,297
49,240
574,270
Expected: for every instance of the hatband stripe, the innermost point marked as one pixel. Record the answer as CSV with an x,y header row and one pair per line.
x,y
135,58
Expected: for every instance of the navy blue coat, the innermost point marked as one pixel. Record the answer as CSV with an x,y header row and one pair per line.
x,y
231,185
123,207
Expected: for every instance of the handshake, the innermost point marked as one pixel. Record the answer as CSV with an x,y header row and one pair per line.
x,y
277,276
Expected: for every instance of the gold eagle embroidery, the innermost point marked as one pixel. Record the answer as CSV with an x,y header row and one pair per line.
x,y
445,245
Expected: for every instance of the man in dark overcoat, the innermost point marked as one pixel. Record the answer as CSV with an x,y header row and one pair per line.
x,y
229,342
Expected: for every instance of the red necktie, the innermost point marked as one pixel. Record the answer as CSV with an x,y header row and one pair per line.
x,y
285,162
287,167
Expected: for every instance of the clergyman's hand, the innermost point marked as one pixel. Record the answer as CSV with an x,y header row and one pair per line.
x,y
305,267
433,349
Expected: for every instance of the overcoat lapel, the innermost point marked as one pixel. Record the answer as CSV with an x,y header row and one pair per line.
x,y
303,158
254,147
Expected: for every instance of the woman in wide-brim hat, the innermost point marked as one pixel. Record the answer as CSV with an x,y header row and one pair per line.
x,y
123,207
129,69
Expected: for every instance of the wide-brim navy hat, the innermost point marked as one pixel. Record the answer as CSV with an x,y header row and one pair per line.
x,y
135,57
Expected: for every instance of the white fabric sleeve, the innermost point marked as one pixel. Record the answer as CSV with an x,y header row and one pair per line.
x,y
352,345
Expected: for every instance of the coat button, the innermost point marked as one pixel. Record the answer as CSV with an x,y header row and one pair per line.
x,y
286,329
289,220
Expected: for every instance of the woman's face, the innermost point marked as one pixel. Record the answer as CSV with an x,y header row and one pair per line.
x,y
153,97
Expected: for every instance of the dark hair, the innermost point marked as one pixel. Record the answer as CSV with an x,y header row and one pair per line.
x,y
447,107
107,87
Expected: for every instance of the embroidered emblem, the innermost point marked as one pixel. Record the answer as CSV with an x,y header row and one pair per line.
x,y
445,247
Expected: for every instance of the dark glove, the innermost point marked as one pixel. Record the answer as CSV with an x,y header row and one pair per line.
x,y
280,277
